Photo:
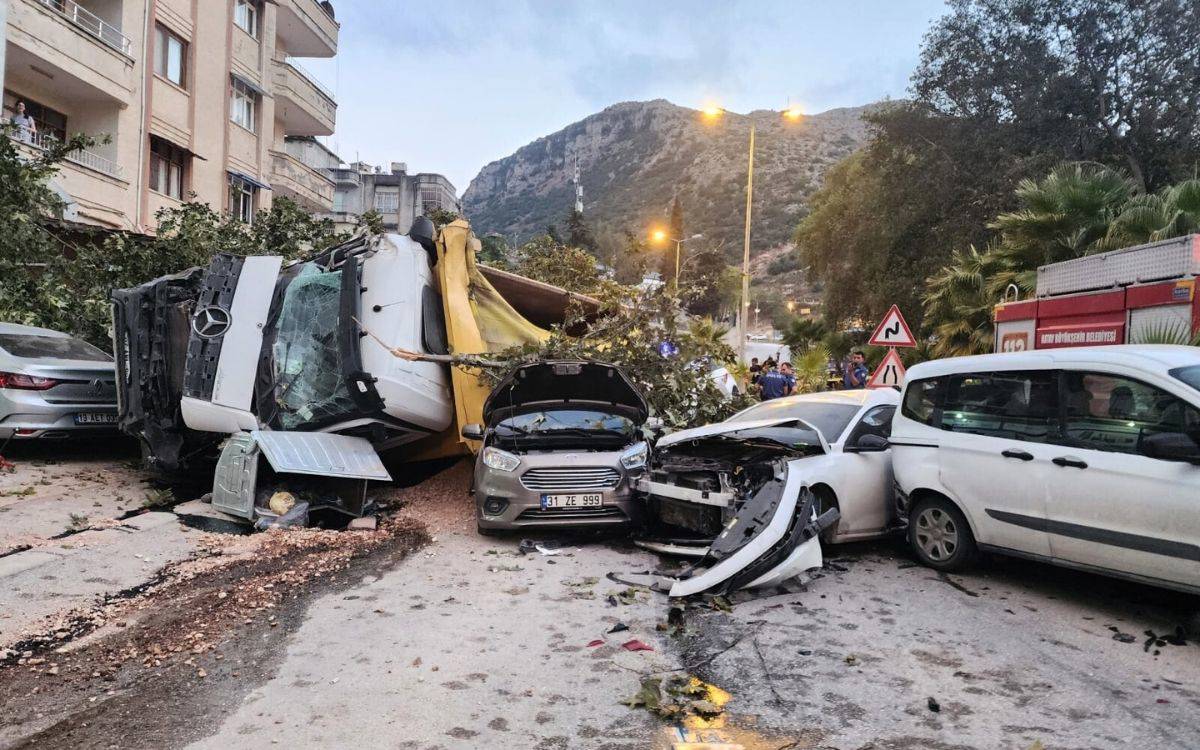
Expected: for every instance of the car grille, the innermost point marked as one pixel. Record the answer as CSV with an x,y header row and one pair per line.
x,y
576,514
567,479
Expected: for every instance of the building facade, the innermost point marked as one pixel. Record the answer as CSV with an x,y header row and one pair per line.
x,y
398,197
194,99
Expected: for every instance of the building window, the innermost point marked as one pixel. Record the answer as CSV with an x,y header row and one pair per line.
x,y
170,56
387,201
49,122
431,199
244,105
241,199
246,16
167,163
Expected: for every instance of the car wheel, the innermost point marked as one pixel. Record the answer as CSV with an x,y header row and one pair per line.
x,y
826,500
939,535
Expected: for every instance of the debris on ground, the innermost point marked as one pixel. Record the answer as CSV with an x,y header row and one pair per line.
x,y
680,697
636,645
547,548
933,705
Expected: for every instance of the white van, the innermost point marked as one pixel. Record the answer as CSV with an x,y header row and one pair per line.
x,y
1084,457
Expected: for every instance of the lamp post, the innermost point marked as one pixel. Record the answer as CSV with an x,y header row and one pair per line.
x,y
659,235
793,113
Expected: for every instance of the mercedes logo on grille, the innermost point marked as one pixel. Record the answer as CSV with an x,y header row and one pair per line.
x,y
210,322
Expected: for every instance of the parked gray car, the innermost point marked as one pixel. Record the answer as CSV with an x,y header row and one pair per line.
x,y
562,446
53,385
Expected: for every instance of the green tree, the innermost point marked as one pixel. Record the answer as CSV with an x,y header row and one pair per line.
x,y
1172,212
571,268
579,233
441,216
802,333
960,301
493,251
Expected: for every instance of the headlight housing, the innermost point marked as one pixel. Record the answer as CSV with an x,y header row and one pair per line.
x,y
636,455
494,458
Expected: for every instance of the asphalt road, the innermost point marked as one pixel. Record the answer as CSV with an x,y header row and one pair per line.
x,y
467,644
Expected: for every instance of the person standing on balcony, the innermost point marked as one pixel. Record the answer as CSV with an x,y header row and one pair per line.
x,y
26,127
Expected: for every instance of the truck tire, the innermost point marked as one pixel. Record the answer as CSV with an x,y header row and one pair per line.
x,y
939,535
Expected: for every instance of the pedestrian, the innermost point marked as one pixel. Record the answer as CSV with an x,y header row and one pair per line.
x,y
755,369
857,373
790,374
772,383
26,127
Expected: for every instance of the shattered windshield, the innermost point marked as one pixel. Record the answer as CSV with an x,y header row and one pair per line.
x,y
830,419
308,366
566,421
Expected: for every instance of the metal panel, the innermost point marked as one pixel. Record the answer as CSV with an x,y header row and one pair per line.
x,y
321,454
238,363
236,477
1156,261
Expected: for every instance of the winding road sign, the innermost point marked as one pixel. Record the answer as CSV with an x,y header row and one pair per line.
x,y
893,330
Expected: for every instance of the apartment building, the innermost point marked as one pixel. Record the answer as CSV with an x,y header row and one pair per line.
x,y
195,98
395,195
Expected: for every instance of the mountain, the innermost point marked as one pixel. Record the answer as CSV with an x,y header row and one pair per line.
x,y
634,157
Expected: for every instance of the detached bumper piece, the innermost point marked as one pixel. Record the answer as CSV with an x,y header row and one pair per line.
x,y
328,472
772,537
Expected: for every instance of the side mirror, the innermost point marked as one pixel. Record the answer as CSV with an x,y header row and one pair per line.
x,y
868,444
1171,446
424,233
472,431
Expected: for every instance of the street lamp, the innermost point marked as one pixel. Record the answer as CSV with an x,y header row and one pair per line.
x,y
711,113
659,235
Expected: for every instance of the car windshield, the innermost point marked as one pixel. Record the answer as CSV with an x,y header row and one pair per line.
x,y
1189,375
566,421
51,347
830,419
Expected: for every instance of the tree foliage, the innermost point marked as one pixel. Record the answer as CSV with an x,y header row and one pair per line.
x,y
546,259
579,233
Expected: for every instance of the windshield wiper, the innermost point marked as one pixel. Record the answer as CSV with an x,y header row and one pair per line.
x,y
583,431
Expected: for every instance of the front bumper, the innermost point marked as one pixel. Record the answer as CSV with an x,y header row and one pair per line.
x,y
502,502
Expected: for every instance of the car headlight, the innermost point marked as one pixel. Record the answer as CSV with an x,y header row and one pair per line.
x,y
635,455
494,458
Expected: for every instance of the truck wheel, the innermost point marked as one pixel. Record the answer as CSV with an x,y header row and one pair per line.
x,y
940,536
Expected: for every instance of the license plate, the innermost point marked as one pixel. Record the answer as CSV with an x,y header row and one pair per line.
x,y
590,500
91,418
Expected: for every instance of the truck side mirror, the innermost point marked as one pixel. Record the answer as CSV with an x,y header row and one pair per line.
x,y
424,233
472,431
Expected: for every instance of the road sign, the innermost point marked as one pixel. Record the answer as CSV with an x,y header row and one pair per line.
x,y
893,331
890,372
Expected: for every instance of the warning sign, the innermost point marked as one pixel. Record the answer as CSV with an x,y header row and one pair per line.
x,y
892,331
889,374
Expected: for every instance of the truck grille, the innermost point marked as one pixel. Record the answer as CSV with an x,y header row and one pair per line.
x,y
567,479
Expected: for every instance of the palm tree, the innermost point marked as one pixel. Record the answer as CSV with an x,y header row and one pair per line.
x,y
959,302
1173,212
811,369
1062,216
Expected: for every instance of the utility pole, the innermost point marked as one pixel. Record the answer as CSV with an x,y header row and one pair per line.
x,y
3,34
744,303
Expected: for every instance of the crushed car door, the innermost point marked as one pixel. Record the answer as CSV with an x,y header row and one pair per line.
x,y
772,537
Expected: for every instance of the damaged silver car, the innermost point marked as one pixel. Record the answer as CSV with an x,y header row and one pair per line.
x,y
562,446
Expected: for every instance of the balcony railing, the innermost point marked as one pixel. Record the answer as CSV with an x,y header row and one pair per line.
x,y
304,73
82,157
90,23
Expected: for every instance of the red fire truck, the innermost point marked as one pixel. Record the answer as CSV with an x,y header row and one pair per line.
x,y
1136,295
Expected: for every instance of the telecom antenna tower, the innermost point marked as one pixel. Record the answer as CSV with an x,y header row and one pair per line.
x,y
578,189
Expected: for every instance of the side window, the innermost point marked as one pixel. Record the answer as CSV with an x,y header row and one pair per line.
x,y
433,322
1113,413
923,400
877,421
1012,405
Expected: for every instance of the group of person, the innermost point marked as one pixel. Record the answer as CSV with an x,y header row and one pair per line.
x,y
778,381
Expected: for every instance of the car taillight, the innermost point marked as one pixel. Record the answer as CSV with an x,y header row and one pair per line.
x,y
21,382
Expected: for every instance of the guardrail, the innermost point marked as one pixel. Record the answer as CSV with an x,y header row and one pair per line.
x,y
306,75
82,157
89,22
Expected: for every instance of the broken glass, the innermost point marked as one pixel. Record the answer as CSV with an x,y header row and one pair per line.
x,y
310,387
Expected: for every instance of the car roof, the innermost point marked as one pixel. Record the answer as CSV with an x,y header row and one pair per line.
x,y
20,330
857,397
1156,357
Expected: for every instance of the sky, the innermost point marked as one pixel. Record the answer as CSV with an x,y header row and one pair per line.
x,y
450,85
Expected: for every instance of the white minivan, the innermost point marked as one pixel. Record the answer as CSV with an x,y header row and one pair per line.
x,y
1085,457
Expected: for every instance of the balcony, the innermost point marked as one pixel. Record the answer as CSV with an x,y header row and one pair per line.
x,y
304,106
307,28
292,178
89,23
346,177
82,157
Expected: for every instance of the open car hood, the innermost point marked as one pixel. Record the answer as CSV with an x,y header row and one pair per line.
x,y
572,383
740,432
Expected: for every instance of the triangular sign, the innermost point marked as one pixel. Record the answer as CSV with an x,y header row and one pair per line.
x,y
892,331
889,374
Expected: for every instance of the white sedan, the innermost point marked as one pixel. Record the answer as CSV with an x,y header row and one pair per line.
x,y
747,471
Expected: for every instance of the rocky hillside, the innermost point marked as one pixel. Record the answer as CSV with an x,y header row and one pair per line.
x,y
635,156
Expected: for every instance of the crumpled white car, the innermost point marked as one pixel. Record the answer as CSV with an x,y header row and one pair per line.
x,y
750,496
